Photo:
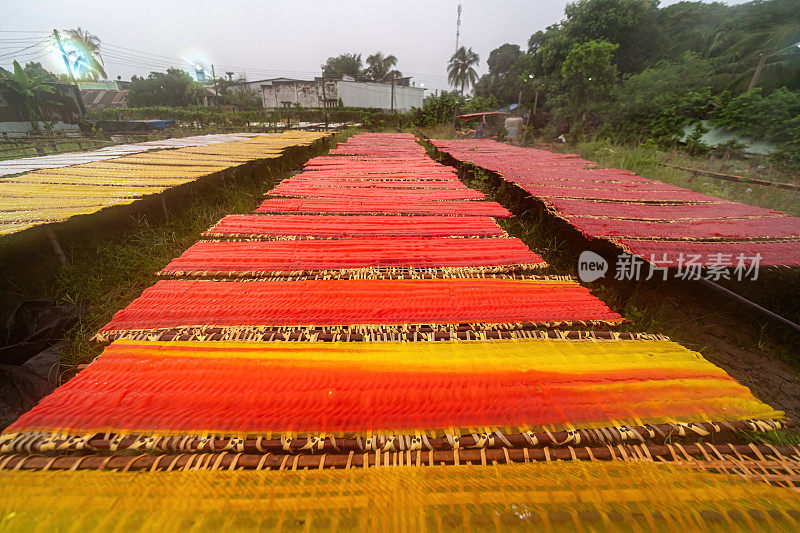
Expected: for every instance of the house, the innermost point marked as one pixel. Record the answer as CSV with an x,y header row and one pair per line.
x,y
320,92
104,94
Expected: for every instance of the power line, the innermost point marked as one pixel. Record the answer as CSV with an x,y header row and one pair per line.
x,y
16,52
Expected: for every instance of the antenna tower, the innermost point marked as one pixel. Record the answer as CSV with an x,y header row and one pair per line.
x,y
458,26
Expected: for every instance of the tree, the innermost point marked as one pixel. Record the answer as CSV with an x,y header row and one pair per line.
x,y
36,69
659,101
507,79
380,67
343,65
86,51
760,34
589,73
29,91
502,58
632,24
173,88
460,71
237,93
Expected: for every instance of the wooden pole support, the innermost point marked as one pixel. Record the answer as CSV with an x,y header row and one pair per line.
x,y
62,257
164,208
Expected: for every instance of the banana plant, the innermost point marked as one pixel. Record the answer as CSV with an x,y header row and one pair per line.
x,y
30,91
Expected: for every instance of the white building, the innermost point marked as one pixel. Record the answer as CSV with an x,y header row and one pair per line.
x,y
379,95
325,92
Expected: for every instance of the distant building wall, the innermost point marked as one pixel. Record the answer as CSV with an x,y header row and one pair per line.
x,y
379,95
285,92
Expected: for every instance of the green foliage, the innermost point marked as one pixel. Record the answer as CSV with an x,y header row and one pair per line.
x,y
590,73
31,92
461,69
343,65
209,117
442,108
631,24
673,66
235,93
380,67
774,118
173,88
508,75
34,70
694,144
503,58
658,102
748,30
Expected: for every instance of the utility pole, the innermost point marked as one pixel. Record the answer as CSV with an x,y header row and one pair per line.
x,y
458,26
762,59
325,103
214,77
69,70
392,94
64,56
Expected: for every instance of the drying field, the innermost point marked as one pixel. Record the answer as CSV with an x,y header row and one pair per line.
x,y
369,349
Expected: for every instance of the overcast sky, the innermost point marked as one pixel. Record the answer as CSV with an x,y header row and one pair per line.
x,y
270,38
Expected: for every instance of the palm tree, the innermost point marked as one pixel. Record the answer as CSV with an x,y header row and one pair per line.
x,y
460,71
379,67
89,59
27,90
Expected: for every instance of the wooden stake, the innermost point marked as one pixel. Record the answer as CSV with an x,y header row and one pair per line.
x,y
62,257
164,208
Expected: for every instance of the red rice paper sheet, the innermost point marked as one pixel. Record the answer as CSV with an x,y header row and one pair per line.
x,y
264,258
387,194
416,176
383,207
341,226
577,185
677,196
562,180
571,207
510,303
725,254
375,184
749,228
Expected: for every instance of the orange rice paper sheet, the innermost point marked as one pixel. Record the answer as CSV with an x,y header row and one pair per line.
x,y
276,390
